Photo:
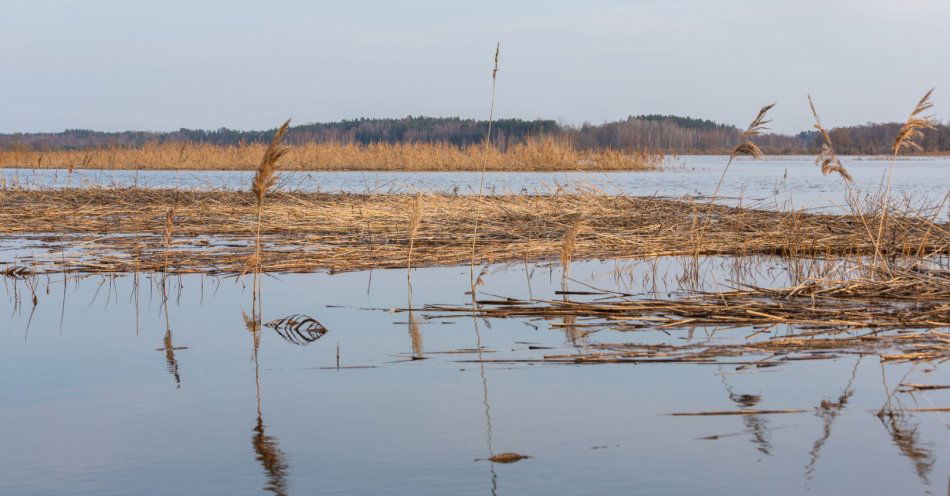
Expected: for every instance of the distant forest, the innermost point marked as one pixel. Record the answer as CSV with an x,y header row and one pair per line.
x,y
667,133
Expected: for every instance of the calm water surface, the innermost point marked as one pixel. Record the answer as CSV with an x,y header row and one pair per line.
x,y
100,395
784,182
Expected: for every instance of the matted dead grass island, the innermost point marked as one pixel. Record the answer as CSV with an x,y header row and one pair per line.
x,y
121,230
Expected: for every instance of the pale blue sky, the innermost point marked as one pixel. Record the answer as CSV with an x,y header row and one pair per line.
x,y
160,65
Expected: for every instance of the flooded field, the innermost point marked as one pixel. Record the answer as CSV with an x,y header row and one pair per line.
x,y
108,391
781,182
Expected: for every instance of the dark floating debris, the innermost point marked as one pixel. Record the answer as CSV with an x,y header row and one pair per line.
x,y
298,329
735,412
509,457
16,272
909,388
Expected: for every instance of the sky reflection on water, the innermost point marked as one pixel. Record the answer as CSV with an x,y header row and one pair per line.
x,y
99,398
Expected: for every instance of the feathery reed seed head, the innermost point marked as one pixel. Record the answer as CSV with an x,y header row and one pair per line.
x,y
756,127
266,175
912,130
416,218
747,148
570,239
827,159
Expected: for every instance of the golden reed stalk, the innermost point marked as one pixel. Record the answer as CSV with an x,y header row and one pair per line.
x,y
537,153
910,133
264,179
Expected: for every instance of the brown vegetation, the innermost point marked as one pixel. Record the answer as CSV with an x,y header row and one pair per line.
x,y
215,231
900,318
535,154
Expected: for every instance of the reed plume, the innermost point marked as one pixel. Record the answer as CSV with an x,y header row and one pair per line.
x,y
567,247
912,131
264,180
567,251
827,159
746,146
266,175
907,137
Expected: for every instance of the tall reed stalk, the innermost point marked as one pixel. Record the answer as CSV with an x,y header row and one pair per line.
x,y
828,161
746,146
414,221
167,241
264,179
910,133
481,182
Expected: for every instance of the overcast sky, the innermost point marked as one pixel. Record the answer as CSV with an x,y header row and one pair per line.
x,y
162,65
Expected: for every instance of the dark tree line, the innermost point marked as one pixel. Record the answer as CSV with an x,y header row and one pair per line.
x,y
667,133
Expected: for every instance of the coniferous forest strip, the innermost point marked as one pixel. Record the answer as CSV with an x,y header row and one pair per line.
x,y
660,133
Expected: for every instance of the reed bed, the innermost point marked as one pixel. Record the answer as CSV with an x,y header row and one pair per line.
x,y
120,230
906,321
535,154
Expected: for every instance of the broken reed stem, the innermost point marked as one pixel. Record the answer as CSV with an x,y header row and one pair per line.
x,y
481,181
167,238
414,221
167,234
567,248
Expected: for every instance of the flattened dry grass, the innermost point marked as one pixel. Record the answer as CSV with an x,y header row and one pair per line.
x,y
902,318
303,232
536,154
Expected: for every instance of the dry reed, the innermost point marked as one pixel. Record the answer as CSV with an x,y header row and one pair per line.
x,y
414,221
910,132
314,231
567,248
816,325
264,179
827,158
746,147
539,153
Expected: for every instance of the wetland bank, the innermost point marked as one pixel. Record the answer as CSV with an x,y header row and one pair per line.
x,y
279,338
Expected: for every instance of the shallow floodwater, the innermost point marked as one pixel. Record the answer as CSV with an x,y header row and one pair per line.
x,y
100,395
781,182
